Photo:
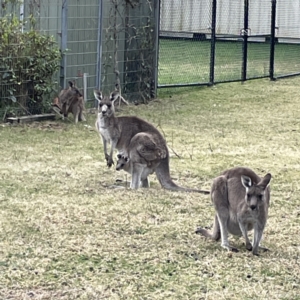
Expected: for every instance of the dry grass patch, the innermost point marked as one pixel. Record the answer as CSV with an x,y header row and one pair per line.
x,y
67,234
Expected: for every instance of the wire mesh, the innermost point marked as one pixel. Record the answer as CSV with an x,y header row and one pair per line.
x,y
287,48
229,47
258,58
128,48
117,41
184,51
238,51
28,58
82,39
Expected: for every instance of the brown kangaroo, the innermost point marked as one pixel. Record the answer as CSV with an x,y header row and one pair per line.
x,y
70,100
136,139
241,199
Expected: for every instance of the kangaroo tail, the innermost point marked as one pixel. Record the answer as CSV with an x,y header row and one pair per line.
x,y
164,178
216,232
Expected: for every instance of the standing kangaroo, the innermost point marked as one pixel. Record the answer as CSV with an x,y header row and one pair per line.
x,y
133,136
241,199
144,156
123,163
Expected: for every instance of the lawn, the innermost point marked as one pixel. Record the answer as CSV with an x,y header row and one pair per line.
x,y
69,231
188,61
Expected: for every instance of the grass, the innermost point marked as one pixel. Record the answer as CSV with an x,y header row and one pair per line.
x,y
66,233
188,61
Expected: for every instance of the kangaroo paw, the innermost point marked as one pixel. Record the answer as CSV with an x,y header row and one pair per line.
x,y
110,162
230,248
249,247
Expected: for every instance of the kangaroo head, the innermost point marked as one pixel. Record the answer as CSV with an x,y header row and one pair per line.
x,y
255,192
74,89
106,104
121,162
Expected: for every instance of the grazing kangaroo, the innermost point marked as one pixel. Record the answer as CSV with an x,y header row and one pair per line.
x,y
241,199
70,100
138,140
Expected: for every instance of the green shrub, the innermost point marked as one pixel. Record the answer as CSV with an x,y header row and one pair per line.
x,y
28,60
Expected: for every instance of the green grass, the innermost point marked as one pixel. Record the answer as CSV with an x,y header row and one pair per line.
x,y
187,61
66,233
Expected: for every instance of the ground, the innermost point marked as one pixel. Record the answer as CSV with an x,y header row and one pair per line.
x,y
68,233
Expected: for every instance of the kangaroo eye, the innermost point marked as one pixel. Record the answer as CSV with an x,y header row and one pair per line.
x,y
109,105
100,104
259,197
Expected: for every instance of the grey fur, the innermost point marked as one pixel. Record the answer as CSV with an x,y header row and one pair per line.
x,y
136,139
241,199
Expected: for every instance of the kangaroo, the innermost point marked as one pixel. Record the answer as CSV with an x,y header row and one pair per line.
x,y
70,100
138,140
241,199
144,156
123,163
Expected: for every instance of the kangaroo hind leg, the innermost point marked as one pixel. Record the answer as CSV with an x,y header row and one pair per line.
x,y
219,196
137,170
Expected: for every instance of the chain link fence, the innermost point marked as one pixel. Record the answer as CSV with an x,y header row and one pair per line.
x,y
213,41
98,43
139,45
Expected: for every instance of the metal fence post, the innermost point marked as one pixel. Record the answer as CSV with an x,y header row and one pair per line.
x,y
157,29
213,42
245,37
272,40
64,40
99,46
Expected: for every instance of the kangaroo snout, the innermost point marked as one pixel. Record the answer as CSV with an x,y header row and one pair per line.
x,y
253,207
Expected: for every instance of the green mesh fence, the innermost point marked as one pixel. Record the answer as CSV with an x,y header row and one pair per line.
x,y
287,47
184,52
208,42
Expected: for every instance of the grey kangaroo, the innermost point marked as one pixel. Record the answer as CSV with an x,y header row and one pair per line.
x,y
123,163
241,199
138,140
144,156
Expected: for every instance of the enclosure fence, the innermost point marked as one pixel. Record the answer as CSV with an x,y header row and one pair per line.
x,y
140,46
101,43
210,41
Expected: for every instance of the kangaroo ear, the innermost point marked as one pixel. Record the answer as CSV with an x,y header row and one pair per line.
x,y
98,95
71,83
114,96
265,181
246,181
